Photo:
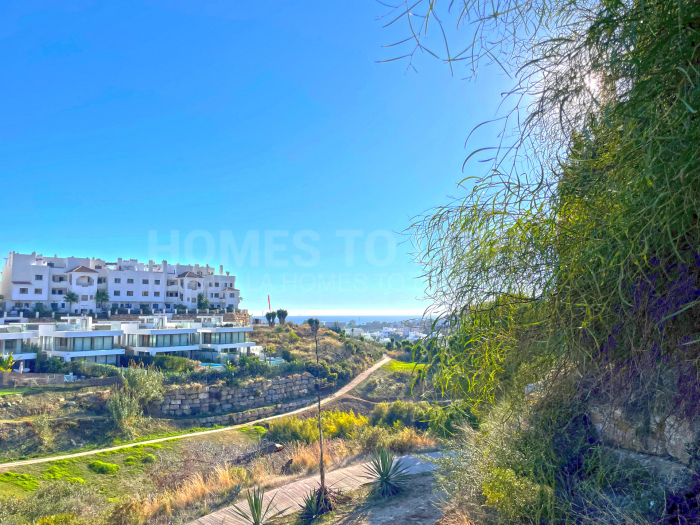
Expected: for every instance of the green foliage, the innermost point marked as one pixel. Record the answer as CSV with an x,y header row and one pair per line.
x,y
407,413
389,475
515,496
124,410
145,384
258,513
282,315
24,481
6,362
100,467
293,337
335,424
315,504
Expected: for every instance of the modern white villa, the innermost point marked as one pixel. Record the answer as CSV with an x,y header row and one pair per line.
x,y
81,338
31,279
207,338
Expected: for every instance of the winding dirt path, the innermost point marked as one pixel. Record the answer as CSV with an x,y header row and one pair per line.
x,y
352,384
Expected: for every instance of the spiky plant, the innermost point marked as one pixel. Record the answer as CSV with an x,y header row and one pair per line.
x,y
258,513
318,502
388,475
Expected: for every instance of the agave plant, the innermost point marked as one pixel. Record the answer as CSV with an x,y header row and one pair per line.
x,y
257,515
318,502
389,475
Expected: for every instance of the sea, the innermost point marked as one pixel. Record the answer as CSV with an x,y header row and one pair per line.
x,y
359,319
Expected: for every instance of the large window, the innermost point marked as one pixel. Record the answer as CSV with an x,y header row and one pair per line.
x,y
38,277
24,291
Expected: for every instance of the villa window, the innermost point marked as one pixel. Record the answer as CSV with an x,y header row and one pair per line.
x,y
101,280
144,281
117,280
157,281
83,297
172,283
232,295
38,277
144,294
216,285
37,291
117,293
156,294
129,293
129,281
24,291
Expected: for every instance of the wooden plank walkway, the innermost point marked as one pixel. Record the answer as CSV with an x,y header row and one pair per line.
x,y
288,497
352,384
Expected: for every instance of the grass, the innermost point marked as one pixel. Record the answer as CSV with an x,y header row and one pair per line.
x,y
130,477
399,366
21,390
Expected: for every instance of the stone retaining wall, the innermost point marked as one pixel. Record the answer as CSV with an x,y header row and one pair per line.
x,y
244,417
223,399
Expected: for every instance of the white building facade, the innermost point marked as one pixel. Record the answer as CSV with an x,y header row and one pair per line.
x,y
30,279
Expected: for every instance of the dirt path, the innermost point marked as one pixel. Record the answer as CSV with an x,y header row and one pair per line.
x,y
352,384
288,497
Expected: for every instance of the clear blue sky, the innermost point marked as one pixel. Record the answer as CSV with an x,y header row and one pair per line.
x,y
270,122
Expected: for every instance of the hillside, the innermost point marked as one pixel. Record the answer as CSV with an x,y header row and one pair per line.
x,y
298,339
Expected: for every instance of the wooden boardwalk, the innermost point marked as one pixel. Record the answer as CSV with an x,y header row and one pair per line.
x,y
288,497
352,384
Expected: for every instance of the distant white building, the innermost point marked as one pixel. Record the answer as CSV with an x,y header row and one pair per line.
x,y
31,279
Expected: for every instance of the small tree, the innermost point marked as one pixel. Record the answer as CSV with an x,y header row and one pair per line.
x,y
101,297
270,316
282,315
70,298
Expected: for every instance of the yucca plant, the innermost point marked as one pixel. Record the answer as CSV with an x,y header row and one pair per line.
x,y
318,502
389,475
257,515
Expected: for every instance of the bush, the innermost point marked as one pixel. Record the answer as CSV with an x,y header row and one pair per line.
x,y
293,337
123,409
288,356
168,363
145,384
336,424
100,467
406,413
251,367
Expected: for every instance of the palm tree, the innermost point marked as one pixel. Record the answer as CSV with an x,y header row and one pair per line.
x,y
101,297
270,316
282,315
315,324
6,363
70,298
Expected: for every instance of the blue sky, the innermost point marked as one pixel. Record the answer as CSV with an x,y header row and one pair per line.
x,y
266,123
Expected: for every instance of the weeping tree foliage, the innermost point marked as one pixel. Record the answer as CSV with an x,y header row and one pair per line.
x,y
577,248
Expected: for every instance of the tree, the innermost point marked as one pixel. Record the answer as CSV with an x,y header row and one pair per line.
x,y
270,316
6,363
282,315
101,297
70,298
202,302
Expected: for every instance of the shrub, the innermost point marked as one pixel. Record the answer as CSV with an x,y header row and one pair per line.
x,y
145,384
99,467
389,475
123,409
407,413
293,337
336,424
287,355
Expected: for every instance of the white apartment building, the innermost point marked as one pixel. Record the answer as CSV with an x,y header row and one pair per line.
x,y
31,279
